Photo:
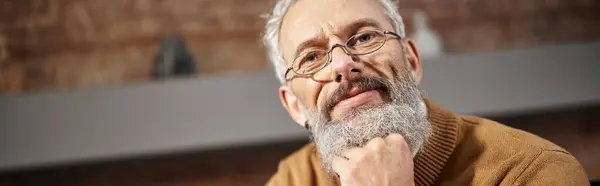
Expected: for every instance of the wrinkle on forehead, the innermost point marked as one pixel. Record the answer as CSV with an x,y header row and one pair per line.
x,y
307,19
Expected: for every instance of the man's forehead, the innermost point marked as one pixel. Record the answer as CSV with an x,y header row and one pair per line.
x,y
308,19
330,14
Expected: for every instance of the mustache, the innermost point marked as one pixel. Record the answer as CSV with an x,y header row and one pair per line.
x,y
361,83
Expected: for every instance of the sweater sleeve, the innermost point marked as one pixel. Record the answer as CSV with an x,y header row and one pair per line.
x,y
555,168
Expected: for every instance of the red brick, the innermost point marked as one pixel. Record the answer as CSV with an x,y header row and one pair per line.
x,y
228,56
82,70
518,32
485,36
12,77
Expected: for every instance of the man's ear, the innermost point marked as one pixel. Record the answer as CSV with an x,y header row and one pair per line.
x,y
414,59
291,103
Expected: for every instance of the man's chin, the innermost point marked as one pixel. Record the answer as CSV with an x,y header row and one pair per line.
x,y
355,113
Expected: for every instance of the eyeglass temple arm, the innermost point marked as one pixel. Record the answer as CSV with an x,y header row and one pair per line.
x,y
286,72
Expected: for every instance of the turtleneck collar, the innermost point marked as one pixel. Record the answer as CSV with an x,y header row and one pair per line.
x,y
432,158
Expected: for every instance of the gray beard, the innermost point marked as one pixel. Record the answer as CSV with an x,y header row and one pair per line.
x,y
405,114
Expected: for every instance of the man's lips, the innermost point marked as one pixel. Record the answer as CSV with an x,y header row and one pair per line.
x,y
357,97
355,93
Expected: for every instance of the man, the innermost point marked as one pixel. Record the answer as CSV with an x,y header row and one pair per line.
x,y
351,78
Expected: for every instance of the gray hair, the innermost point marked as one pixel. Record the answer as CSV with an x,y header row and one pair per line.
x,y
273,26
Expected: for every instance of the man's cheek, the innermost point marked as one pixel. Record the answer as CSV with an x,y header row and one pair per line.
x,y
387,66
313,97
395,64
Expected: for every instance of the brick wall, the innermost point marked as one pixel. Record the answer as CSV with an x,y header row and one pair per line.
x,y
73,44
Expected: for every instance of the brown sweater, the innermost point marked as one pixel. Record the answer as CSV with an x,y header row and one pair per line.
x,y
464,150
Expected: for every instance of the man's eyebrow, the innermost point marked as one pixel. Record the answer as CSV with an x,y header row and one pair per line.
x,y
360,23
318,40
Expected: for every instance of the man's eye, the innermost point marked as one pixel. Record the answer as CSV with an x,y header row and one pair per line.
x,y
310,58
365,38
362,39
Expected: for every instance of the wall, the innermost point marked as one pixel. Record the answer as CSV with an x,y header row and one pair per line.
x,y
48,45
238,109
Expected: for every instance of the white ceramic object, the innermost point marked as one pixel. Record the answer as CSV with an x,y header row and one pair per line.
x,y
427,41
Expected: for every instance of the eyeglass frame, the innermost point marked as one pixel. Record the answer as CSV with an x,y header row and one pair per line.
x,y
345,49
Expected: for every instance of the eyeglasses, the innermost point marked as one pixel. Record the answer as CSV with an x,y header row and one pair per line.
x,y
365,42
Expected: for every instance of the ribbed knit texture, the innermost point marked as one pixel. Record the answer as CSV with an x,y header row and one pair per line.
x,y
430,162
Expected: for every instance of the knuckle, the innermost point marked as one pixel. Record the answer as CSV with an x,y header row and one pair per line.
x,y
396,139
352,152
362,157
376,143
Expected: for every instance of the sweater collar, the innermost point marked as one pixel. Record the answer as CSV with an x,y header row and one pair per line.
x,y
432,158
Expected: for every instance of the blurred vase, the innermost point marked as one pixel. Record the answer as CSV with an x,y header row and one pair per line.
x,y
427,41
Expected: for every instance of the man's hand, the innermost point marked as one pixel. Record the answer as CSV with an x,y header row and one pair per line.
x,y
382,162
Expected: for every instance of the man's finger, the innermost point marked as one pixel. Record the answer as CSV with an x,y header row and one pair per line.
x,y
376,144
396,140
341,166
353,153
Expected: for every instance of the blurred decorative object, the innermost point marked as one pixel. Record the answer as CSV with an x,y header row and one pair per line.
x,y
173,59
427,41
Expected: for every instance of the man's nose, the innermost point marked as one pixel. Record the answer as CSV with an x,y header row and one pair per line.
x,y
344,66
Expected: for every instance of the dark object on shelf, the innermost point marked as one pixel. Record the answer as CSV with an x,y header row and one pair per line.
x,y
173,59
